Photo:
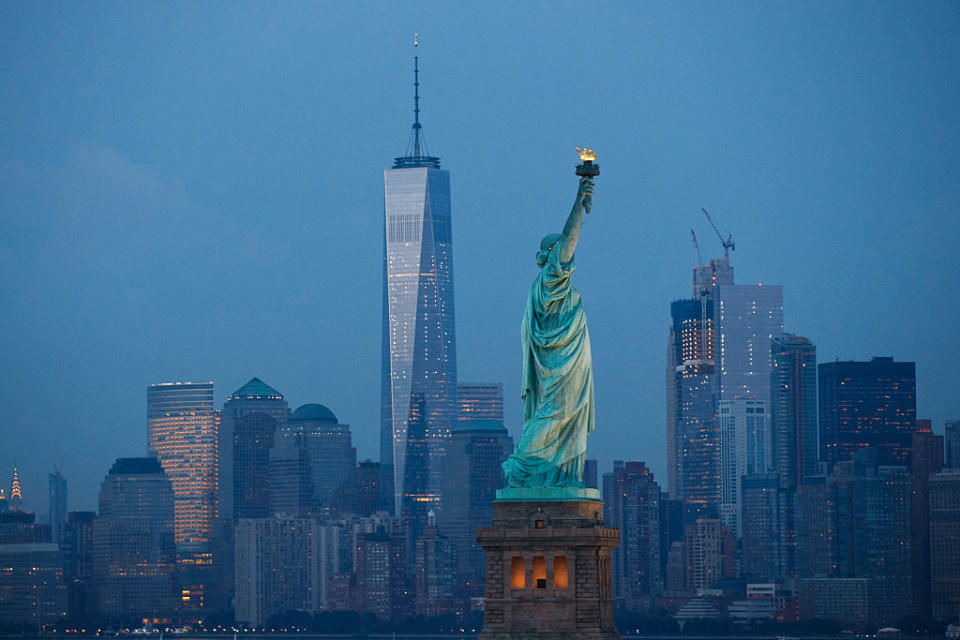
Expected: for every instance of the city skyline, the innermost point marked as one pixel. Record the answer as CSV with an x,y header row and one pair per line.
x,y
847,190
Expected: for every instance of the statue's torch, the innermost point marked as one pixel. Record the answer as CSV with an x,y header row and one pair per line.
x,y
588,169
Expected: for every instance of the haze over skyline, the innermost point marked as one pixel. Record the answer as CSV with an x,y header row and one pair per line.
x,y
194,192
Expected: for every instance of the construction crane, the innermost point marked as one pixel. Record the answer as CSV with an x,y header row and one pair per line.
x,y
728,244
696,246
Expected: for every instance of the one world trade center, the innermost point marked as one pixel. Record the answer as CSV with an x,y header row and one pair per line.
x,y
419,357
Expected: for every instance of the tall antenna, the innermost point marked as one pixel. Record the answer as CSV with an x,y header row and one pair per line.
x,y
416,96
417,155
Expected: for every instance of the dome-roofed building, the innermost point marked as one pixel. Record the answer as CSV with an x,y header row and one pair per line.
x,y
332,459
313,412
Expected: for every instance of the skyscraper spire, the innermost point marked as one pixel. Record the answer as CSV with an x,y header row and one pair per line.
x,y
417,154
16,497
416,97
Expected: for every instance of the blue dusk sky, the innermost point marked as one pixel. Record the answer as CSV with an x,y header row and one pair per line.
x,y
194,191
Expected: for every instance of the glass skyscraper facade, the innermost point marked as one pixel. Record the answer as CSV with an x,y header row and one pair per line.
x,y
134,553
57,504
251,417
419,358
182,435
693,439
867,404
744,445
749,316
718,350
480,401
793,396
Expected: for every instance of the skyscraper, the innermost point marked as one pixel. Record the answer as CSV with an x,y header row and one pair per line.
x,y
744,446
249,422
182,435
693,439
57,503
761,526
134,554
15,502
951,444
944,550
633,505
867,404
793,389
927,459
277,567
332,456
472,475
749,316
480,401
719,349
419,358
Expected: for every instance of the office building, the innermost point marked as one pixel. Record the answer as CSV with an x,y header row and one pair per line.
x,y
18,527
632,503
480,401
867,404
793,410
291,481
749,316
856,523
591,473
249,422
852,601
419,358
710,553
927,458
719,349
762,514
472,475
330,451
368,488
815,528
435,572
182,435
744,449
32,590
693,438
382,570
276,568
944,548
76,545
56,503
134,553
951,444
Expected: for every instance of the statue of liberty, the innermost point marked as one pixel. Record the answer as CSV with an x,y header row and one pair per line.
x,y
557,371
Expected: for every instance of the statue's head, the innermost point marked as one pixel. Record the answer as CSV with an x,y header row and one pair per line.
x,y
547,245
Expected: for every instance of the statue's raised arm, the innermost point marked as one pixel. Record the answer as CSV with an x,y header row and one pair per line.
x,y
571,230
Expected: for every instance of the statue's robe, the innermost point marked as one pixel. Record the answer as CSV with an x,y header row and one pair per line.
x,y
557,383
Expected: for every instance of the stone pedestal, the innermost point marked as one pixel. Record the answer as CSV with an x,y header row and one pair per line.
x,y
548,571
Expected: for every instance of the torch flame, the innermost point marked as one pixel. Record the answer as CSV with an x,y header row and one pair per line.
x,y
587,155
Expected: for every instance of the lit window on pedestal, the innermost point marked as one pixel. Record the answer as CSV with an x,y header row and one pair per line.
x,y
518,574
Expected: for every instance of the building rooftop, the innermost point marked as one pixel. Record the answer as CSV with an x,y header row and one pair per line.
x,y
135,466
258,389
313,411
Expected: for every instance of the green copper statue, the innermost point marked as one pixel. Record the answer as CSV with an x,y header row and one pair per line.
x,y
557,371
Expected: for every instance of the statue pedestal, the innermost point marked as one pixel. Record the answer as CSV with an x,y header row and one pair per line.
x,y
548,570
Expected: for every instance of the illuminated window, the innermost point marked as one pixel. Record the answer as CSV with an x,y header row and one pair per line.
x,y
518,574
560,572
540,572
